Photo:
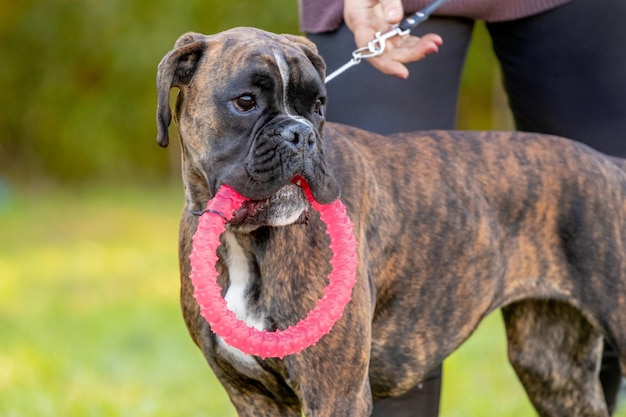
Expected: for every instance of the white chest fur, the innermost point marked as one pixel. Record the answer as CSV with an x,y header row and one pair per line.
x,y
237,301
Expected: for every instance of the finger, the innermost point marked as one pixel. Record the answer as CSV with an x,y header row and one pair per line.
x,y
363,13
393,11
363,35
412,48
390,67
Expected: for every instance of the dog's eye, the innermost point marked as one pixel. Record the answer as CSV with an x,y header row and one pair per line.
x,y
244,103
318,107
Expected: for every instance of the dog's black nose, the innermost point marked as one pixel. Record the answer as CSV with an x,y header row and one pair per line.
x,y
299,134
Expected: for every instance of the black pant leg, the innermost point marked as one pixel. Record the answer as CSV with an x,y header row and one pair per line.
x,y
564,72
421,401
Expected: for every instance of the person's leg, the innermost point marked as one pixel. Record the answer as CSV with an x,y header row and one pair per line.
x,y
365,98
421,401
564,72
610,376
368,99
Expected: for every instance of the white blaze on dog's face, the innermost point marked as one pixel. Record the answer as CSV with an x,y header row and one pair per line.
x,y
283,67
250,114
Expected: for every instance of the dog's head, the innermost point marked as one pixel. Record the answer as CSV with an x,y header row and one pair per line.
x,y
250,113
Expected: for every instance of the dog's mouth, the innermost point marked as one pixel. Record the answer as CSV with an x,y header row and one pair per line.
x,y
289,205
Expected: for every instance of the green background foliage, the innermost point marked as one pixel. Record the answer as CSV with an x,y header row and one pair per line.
x,y
77,80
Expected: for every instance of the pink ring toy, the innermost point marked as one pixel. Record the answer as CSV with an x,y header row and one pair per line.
x,y
307,331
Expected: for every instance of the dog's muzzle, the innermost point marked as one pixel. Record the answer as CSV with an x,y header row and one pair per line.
x,y
283,156
281,151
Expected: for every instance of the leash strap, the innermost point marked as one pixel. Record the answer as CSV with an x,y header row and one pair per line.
x,y
377,45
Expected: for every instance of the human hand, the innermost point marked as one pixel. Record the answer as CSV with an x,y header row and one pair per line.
x,y
366,17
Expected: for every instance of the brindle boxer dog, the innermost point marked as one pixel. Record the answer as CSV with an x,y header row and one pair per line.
x,y
450,226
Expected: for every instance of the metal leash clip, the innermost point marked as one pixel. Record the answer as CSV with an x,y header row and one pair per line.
x,y
374,48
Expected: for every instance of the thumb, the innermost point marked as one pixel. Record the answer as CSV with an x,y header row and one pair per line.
x,y
393,11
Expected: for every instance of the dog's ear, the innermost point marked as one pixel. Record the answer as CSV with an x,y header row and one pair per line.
x,y
176,69
310,50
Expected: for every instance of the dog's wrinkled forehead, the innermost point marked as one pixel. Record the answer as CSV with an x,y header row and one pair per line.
x,y
265,58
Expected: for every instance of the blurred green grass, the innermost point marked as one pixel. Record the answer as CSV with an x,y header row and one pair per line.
x,y
90,324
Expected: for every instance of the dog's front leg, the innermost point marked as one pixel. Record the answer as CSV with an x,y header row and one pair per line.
x,y
335,384
331,377
254,400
